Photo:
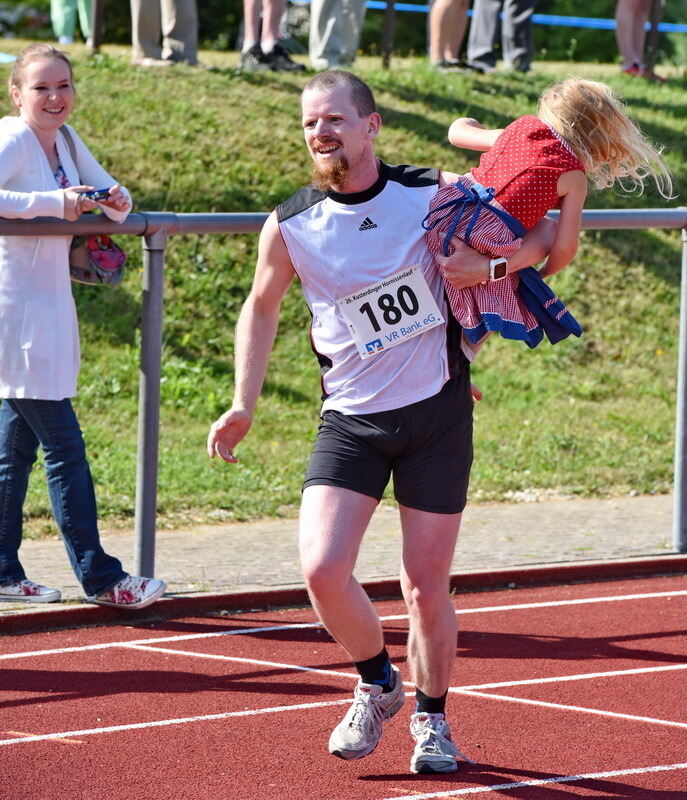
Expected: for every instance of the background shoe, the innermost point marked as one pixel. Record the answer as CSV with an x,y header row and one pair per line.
x,y
280,61
482,66
254,60
434,751
153,62
360,730
634,69
26,591
454,65
131,592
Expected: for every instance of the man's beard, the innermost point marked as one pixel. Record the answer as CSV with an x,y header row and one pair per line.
x,y
330,175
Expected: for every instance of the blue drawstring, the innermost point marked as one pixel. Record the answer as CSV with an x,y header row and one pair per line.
x,y
479,196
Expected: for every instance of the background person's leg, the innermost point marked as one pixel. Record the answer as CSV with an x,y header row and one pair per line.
x,y
484,25
335,27
71,491
516,38
447,24
145,30
63,20
179,23
86,18
18,449
630,33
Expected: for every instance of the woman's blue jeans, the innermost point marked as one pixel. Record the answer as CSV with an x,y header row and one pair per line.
x,y
52,424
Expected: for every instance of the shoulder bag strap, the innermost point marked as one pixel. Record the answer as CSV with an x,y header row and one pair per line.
x,y
70,144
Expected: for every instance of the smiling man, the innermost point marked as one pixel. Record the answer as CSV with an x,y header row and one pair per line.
x,y
396,401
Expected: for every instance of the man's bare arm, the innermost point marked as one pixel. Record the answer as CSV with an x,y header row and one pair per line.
x,y
466,267
255,333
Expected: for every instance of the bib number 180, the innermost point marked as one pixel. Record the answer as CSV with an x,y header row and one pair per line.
x,y
391,313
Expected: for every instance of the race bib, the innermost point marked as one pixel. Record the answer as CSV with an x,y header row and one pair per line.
x,y
390,312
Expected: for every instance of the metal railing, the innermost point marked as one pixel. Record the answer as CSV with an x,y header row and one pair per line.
x,y
156,227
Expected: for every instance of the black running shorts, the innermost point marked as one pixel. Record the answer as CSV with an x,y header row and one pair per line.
x,y
426,446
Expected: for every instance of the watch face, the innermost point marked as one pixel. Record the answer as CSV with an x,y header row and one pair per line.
x,y
500,270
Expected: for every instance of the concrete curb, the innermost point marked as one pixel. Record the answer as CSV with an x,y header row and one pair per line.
x,y
34,619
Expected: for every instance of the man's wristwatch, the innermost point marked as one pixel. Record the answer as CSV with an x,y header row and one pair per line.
x,y
498,268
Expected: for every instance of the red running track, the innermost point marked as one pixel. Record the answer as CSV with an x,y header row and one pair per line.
x,y
558,692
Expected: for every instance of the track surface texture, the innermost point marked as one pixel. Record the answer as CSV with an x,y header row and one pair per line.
x,y
557,692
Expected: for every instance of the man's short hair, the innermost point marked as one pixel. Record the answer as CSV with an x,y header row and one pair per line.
x,y
361,94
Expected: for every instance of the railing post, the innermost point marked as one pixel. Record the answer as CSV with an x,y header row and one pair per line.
x,y
680,480
154,245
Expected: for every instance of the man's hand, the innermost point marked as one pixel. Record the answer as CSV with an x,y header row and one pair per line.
x,y
227,432
465,267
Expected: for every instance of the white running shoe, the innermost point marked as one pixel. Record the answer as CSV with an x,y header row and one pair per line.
x,y
131,592
361,728
435,751
26,591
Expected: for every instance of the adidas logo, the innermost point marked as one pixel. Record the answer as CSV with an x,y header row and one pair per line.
x,y
367,225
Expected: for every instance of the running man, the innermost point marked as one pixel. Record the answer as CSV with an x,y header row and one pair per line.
x,y
397,401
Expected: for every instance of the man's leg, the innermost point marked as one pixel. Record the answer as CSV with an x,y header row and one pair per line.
x,y
517,41
63,20
483,28
332,523
428,545
179,30
447,23
630,32
85,8
145,29
335,27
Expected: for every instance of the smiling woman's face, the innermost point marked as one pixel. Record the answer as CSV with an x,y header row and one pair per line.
x,y
45,98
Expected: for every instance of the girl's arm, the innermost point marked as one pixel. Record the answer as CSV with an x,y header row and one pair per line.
x,y
472,135
572,187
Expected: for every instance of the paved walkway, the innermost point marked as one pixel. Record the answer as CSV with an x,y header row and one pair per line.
x,y
262,555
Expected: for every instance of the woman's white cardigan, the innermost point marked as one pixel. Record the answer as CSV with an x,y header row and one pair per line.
x,y
39,335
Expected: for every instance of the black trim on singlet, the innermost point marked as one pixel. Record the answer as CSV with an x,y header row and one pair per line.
x,y
305,198
414,177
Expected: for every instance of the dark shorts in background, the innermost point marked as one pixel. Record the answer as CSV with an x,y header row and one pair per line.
x,y
426,446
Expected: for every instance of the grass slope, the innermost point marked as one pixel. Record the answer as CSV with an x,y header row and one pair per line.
x,y
593,416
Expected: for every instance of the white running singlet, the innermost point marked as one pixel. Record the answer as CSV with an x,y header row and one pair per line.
x,y
341,244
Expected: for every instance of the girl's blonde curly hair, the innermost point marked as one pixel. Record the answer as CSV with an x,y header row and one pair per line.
x,y
611,147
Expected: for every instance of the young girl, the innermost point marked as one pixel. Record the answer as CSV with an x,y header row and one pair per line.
x,y
39,338
537,163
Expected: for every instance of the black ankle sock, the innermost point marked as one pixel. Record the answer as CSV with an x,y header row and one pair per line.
x,y
430,705
376,670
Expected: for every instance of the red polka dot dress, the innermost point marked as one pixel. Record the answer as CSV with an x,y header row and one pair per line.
x,y
521,171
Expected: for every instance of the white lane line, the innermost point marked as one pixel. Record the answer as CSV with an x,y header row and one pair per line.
x,y
186,637
239,660
306,625
506,787
563,707
581,676
557,603
468,688
179,721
